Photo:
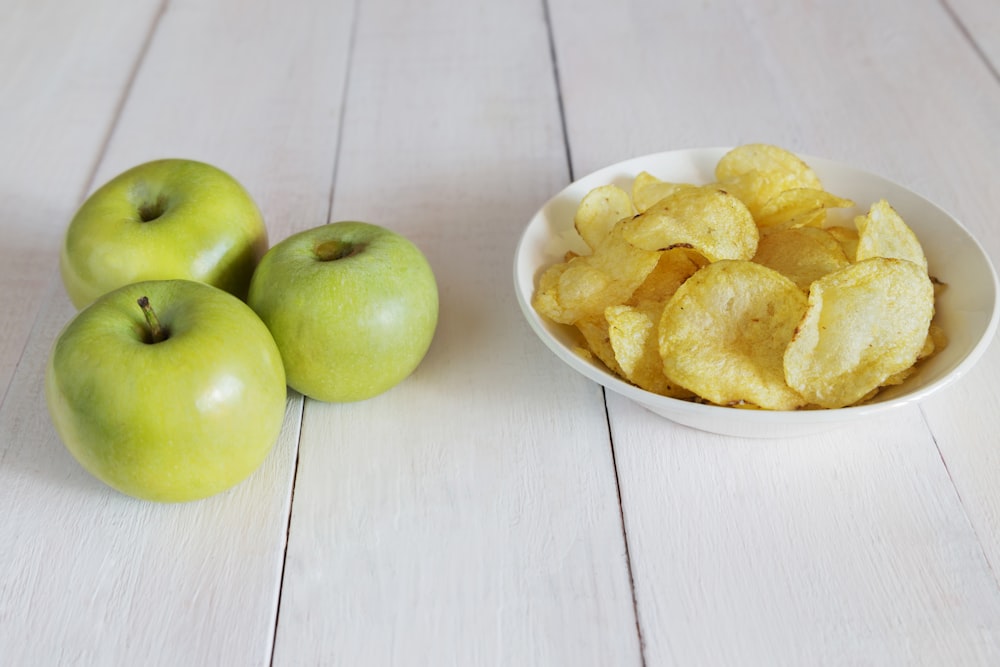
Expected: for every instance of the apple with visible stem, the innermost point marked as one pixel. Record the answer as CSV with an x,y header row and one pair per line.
x,y
161,220
167,390
352,306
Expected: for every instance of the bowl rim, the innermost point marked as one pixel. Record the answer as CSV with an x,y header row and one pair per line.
x,y
596,371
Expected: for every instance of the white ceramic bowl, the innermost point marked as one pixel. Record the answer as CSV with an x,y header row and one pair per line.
x,y
967,308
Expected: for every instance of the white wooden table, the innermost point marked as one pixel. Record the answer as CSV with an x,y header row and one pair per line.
x,y
495,508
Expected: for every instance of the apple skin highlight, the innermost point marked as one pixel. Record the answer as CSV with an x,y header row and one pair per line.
x,y
164,219
173,420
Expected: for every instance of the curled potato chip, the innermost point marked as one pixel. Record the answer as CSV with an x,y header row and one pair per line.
x,y
598,212
847,237
587,284
706,219
648,190
594,329
938,340
883,233
657,284
798,207
803,254
724,332
672,268
632,332
756,173
864,324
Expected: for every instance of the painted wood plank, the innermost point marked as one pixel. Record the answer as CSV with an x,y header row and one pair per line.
x,y
843,549
846,548
981,20
469,515
964,419
51,145
92,577
451,545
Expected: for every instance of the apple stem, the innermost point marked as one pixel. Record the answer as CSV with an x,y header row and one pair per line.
x,y
156,331
329,251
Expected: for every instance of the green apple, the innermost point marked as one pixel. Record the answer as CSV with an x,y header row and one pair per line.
x,y
352,306
167,390
161,220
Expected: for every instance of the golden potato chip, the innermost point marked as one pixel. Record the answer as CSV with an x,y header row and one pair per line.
x,y
798,207
546,297
658,285
633,336
594,329
891,381
755,173
648,190
672,268
708,220
934,343
598,212
847,237
588,284
864,324
724,332
883,233
938,341
802,254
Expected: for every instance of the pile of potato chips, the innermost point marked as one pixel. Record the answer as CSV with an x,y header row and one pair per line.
x,y
741,293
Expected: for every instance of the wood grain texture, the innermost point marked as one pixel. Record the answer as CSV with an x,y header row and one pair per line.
x,y
471,515
468,516
92,577
51,145
981,20
855,547
964,419
847,548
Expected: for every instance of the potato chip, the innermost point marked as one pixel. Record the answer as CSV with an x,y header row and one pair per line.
x,y
934,343
864,324
847,237
938,341
802,254
883,233
588,284
672,268
798,207
598,212
755,173
647,190
724,332
658,284
633,336
594,329
706,219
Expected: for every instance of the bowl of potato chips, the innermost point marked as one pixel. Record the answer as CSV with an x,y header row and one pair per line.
x,y
754,292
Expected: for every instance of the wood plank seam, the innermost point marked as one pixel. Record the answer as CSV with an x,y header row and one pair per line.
x,y
123,99
961,500
962,28
553,56
625,536
561,106
288,529
344,96
91,176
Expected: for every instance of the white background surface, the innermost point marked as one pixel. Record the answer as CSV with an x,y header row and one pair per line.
x,y
495,508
